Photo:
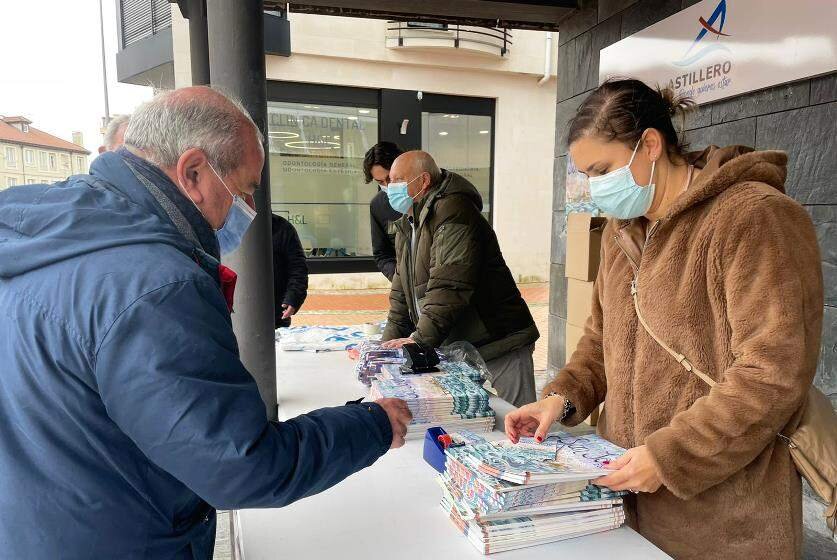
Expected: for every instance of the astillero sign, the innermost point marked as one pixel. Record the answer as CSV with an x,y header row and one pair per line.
x,y
720,48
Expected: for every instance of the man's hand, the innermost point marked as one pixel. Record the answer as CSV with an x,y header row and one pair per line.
x,y
397,343
634,471
534,419
289,311
399,417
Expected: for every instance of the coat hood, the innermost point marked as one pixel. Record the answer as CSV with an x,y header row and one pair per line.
x,y
455,184
722,168
41,225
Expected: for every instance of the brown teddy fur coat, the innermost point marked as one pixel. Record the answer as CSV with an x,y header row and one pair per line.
x,y
730,278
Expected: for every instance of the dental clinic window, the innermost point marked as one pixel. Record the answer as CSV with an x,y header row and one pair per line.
x,y
316,174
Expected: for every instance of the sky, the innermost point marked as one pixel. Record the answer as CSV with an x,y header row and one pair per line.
x,y
51,69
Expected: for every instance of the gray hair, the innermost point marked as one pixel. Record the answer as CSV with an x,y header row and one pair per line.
x,y
196,117
113,129
424,163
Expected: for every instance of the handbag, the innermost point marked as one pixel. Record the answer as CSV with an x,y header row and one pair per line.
x,y
813,445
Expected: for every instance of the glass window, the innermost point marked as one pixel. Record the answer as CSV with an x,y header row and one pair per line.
x,y
11,157
80,163
29,157
65,161
52,162
30,181
462,144
44,161
11,181
316,174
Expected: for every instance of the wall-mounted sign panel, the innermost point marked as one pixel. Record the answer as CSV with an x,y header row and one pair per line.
x,y
716,49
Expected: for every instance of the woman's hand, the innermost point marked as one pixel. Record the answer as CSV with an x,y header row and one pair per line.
x,y
534,419
634,471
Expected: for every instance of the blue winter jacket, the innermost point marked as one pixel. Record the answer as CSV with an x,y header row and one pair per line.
x,y
126,415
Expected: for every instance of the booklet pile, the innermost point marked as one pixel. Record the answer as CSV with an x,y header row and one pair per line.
x,y
371,359
449,398
504,496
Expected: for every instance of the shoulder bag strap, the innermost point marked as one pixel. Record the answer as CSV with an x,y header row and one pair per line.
x,y
681,359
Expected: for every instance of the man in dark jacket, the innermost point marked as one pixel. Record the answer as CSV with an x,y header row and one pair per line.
x,y
451,282
290,271
127,414
376,165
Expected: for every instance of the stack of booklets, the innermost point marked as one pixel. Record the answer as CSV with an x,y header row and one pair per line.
x,y
504,496
372,358
450,400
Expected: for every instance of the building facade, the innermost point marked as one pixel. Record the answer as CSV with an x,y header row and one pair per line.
x,y
475,98
30,156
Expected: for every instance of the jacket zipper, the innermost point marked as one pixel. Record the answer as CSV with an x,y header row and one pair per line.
x,y
635,265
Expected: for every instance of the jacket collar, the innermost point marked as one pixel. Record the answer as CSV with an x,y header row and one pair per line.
x,y
145,184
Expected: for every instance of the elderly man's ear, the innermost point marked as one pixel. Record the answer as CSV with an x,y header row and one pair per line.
x,y
190,168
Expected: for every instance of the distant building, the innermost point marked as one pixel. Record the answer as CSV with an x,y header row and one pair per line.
x,y
29,155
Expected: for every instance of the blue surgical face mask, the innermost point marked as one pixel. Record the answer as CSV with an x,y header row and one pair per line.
x,y
617,193
398,196
239,218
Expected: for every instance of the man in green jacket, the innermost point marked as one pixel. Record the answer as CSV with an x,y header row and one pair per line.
x,y
451,282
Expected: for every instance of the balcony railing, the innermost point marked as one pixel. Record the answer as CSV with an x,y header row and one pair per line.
x,y
420,35
142,18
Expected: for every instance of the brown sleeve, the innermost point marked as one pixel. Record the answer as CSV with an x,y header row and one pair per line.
x,y
582,381
767,262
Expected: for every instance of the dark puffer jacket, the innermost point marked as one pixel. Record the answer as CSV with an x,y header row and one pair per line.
x,y
451,283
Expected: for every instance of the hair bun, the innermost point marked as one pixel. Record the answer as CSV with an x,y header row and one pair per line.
x,y
675,103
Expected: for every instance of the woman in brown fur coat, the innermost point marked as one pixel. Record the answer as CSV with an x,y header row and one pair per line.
x,y
727,273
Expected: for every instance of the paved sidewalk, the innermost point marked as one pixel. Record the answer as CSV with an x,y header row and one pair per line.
x,y
352,307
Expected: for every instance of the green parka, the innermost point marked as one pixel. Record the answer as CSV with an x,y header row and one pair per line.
x,y
451,281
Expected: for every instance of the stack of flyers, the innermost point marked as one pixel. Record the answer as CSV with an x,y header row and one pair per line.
x,y
498,514
564,457
499,495
447,400
318,339
373,358
463,369
520,532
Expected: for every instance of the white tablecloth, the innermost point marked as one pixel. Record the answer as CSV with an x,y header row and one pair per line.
x,y
390,510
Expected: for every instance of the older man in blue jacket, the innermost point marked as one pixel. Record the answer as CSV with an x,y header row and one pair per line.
x,y
127,416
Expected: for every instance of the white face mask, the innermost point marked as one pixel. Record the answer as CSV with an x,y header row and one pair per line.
x,y
617,193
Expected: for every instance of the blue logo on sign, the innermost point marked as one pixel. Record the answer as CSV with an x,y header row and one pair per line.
x,y
707,27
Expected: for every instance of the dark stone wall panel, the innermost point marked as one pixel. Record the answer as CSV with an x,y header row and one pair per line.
x,y
824,89
736,132
557,291
647,13
766,101
825,222
808,135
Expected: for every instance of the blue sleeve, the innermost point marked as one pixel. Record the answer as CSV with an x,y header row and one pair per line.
x,y
169,375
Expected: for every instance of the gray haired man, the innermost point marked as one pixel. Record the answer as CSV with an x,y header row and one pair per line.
x,y
127,414
115,133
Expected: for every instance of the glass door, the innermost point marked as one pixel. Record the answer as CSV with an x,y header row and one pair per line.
x,y
462,144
